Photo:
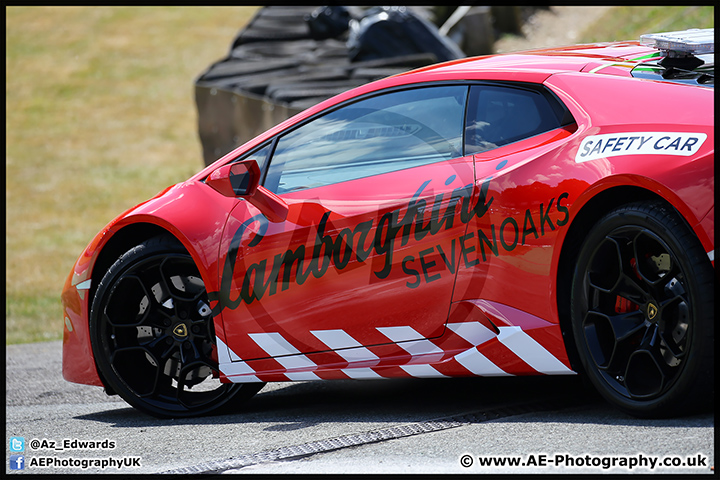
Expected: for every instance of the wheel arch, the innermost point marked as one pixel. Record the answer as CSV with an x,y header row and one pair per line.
x,y
595,208
120,242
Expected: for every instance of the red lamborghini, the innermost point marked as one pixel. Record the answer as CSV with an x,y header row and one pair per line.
x,y
548,212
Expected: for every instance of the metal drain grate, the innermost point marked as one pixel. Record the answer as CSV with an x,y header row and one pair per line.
x,y
366,438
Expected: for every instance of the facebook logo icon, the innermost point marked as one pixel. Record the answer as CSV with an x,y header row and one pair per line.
x,y
17,444
17,462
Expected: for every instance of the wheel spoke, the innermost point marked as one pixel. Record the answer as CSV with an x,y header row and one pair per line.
x,y
119,311
610,337
627,325
139,368
675,314
648,371
612,271
188,353
628,287
152,279
199,329
666,284
191,376
178,284
161,347
652,256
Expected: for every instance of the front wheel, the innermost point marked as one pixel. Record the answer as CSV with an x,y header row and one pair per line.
x,y
152,334
642,312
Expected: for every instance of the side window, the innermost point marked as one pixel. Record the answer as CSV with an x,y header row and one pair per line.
x,y
499,115
378,135
260,155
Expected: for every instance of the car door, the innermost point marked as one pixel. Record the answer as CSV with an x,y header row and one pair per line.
x,y
378,194
517,132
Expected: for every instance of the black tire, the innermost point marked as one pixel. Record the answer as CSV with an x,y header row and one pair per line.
x,y
643,311
152,334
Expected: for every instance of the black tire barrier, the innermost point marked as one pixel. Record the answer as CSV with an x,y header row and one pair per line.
x,y
285,61
289,58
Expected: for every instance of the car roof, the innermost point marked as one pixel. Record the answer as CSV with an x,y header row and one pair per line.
x,y
675,55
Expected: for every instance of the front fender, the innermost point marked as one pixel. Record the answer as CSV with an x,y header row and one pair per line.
x,y
192,212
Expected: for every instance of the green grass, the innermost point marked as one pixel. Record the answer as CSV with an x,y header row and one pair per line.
x,y
100,115
628,23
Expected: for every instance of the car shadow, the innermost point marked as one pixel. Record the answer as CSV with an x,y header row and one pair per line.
x,y
297,405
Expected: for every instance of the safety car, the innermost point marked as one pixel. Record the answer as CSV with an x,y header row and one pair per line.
x,y
548,212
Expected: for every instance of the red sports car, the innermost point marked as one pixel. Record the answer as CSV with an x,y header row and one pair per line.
x,y
548,212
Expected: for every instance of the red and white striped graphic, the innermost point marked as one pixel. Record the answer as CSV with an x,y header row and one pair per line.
x,y
351,351
297,366
466,349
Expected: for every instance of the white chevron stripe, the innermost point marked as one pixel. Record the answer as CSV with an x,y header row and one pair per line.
x,y
295,376
285,354
344,345
233,356
473,332
295,362
421,371
222,351
400,334
361,373
230,368
244,379
406,338
479,364
531,352
274,344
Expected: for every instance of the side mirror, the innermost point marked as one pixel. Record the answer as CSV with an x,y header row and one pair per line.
x,y
242,179
236,179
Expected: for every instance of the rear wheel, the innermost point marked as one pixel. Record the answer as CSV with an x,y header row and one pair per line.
x,y
642,312
152,334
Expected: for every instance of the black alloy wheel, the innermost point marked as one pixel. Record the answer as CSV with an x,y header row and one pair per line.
x,y
152,334
642,312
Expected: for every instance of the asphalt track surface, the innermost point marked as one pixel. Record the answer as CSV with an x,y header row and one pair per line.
x,y
548,424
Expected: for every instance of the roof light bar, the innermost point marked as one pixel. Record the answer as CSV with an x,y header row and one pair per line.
x,y
684,42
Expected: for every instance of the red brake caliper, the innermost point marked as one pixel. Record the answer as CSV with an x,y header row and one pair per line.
x,y
622,304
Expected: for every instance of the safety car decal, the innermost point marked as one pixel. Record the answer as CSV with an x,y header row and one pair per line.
x,y
458,353
606,145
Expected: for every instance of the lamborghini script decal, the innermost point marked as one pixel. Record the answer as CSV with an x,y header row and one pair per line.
x,y
348,246
639,143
